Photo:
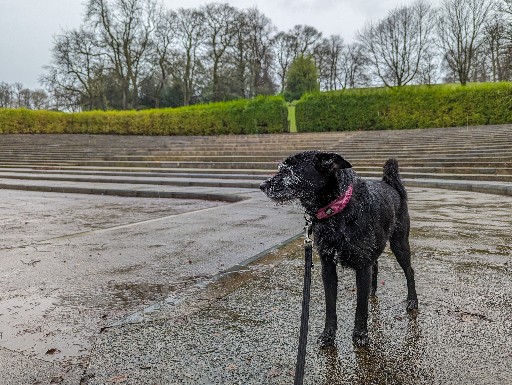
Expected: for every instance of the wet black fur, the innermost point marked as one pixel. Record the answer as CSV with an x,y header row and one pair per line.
x,y
376,213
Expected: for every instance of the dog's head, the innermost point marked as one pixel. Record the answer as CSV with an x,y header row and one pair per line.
x,y
303,176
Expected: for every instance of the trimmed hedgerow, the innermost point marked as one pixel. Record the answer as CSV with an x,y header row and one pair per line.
x,y
23,121
259,115
406,107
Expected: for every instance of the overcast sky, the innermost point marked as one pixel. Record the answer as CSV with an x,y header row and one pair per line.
x,y
27,27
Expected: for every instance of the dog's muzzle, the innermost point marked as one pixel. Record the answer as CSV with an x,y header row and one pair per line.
x,y
265,186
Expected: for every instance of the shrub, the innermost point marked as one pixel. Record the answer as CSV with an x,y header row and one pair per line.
x,y
259,115
406,107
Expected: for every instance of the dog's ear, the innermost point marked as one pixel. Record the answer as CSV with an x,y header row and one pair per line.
x,y
329,162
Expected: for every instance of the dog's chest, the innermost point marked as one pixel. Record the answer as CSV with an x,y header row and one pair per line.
x,y
351,244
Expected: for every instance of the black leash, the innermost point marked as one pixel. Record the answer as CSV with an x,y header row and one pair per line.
x,y
303,336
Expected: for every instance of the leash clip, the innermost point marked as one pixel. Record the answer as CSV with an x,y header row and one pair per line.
x,y
308,230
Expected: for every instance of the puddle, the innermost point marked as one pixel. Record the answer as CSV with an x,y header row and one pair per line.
x,y
23,329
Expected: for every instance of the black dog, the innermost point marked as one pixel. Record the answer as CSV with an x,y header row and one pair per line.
x,y
352,221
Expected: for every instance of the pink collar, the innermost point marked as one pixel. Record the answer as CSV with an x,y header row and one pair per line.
x,y
336,206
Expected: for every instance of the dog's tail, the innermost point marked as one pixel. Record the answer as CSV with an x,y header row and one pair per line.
x,y
392,177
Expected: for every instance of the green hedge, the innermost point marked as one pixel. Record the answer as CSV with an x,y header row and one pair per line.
x,y
259,115
406,107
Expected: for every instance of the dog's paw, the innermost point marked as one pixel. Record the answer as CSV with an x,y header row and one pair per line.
x,y
326,339
360,339
412,304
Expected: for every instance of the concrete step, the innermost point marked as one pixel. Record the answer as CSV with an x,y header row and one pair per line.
x,y
476,169
132,144
257,167
138,180
480,154
226,194
157,170
496,168
199,174
451,137
490,157
444,176
210,180
278,151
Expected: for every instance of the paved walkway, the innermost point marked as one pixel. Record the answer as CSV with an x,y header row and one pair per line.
x,y
108,290
74,264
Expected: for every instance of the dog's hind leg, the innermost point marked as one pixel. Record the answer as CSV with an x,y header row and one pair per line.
x,y
375,273
360,333
400,246
330,281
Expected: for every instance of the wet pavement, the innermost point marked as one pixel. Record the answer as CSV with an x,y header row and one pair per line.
x,y
102,301
73,264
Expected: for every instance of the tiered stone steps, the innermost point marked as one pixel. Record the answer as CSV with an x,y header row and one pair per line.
x,y
471,158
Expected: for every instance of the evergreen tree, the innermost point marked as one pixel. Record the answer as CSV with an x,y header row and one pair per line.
x,y
302,77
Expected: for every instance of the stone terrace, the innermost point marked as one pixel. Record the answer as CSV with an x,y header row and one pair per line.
x,y
464,158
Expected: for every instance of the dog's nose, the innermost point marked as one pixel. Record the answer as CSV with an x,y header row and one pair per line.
x,y
265,185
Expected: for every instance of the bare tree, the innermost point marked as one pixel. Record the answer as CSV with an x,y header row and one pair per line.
x,y
429,68
328,54
259,45
17,96
6,95
39,99
353,67
493,48
460,26
163,41
239,56
301,40
190,39
304,40
25,98
125,28
76,69
283,44
397,44
64,94
497,44
220,31
251,55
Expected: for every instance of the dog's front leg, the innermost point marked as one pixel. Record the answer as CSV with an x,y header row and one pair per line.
x,y
360,333
330,281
